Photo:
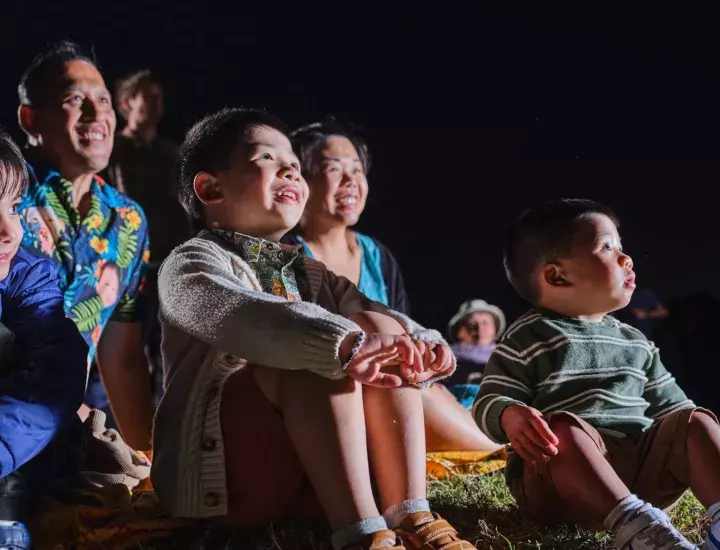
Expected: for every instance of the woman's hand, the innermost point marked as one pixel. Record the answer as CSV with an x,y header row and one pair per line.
x,y
377,353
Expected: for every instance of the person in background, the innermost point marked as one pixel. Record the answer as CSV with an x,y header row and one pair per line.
x,y
335,162
142,166
81,224
473,331
42,360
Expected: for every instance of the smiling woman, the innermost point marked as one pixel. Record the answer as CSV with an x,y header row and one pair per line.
x,y
335,162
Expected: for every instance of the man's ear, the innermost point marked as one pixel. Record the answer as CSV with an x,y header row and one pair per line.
x,y
207,188
554,275
28,122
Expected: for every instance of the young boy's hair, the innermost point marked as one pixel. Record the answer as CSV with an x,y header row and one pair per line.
x,y
543,235
13,170
44,66
129,86
208,146
308,139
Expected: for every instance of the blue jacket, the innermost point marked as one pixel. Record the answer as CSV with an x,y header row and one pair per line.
x,y
43,383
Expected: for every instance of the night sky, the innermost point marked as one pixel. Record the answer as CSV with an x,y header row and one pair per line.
x,y
469,124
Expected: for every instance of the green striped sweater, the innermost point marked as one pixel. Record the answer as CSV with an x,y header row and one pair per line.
x,y
606,373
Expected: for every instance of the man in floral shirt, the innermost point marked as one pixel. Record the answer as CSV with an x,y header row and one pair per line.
x,y
96,236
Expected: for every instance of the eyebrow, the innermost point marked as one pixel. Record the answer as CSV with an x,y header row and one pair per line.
x,y
340,159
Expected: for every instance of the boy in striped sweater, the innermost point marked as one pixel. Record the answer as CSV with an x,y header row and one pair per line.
x,y
602,434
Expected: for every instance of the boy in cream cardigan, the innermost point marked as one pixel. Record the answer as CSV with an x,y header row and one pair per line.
x,y
287,391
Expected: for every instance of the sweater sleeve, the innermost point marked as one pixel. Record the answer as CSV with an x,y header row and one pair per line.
x,y
45,386
201,294
506,380
661,390
351,301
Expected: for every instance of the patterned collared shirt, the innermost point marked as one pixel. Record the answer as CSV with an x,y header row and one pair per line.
x,y
101,259
273,263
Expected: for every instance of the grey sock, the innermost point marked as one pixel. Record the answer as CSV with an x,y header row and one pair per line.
x,y
623,508
356,531
398,512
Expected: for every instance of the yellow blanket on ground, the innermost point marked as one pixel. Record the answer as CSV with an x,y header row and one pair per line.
x,y
451,463
113,518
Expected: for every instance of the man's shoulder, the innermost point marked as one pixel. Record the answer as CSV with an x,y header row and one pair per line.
x,y
117,200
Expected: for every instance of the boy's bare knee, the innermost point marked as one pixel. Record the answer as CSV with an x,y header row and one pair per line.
x,y
269,381
567,430
701,421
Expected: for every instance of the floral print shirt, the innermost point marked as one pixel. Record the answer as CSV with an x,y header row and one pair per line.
x,y
101,259
273,263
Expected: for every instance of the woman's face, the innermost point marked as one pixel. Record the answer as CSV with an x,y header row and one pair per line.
x,y
478,329
338,186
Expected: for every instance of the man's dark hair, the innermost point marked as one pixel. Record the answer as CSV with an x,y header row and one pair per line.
x,y
543,235
308,139
13,170
45,66
129,86
208,146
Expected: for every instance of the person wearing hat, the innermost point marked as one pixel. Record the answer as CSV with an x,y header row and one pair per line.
x,y
473,331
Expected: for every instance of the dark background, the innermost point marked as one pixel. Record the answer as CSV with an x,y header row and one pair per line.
x,y
469,123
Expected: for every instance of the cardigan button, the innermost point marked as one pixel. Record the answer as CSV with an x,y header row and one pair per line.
x,y
209,444
212,500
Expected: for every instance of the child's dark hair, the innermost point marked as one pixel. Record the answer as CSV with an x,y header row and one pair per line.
x,y
308,139
208,146
44,66
543,235
13,170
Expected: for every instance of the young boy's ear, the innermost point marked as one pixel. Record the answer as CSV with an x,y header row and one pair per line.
x,y
553,275
207,188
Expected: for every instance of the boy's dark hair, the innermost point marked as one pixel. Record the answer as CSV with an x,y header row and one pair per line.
x,y
44,66
543,235
13,170
129,86
308,139
207,148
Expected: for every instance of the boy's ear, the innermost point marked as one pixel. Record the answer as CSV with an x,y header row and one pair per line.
x,y
554,275
207,188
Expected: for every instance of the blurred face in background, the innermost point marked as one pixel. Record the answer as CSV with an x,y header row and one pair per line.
x,y
478,329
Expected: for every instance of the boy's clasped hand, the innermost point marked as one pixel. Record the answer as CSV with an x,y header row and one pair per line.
x,y
390,361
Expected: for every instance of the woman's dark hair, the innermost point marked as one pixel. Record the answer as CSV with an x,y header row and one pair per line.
x,y
208,146
13,170
45,66
308,139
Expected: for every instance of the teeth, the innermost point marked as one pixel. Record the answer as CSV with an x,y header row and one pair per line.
x,y
96,136
289,194
348,201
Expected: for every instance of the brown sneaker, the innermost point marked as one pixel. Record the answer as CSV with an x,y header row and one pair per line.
x,y
380,540
428,531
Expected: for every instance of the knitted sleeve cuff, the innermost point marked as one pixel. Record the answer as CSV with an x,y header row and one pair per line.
x,y
488,417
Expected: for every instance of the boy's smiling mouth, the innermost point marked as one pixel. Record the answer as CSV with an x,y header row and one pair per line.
x,y
289,194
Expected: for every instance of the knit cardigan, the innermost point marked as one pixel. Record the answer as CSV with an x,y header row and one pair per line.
x,y
215,319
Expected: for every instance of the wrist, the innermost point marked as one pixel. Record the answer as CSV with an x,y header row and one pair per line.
x,y
349,347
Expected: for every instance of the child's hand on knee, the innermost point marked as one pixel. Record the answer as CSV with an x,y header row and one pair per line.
x,y
378,353
530,435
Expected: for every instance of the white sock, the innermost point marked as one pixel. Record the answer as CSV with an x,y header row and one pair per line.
x,y
398,512
355,531
629,504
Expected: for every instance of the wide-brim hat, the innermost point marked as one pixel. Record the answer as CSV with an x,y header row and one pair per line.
x,y
477,306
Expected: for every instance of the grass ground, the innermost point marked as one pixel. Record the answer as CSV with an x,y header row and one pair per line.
x,y
480,507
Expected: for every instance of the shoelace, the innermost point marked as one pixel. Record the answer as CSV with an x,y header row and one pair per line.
x,y
660,533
